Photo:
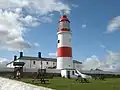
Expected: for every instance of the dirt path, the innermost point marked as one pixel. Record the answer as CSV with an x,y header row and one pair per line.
x,y
7,84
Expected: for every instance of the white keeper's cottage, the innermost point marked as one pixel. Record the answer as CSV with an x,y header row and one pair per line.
x,y
35,62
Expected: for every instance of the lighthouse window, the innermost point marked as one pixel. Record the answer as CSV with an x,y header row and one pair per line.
x,y
61,25
58,41
65,24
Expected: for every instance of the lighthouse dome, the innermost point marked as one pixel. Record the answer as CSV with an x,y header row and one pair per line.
x,y
64,18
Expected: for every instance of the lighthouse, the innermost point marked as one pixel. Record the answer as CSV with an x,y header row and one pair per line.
x,y
64,44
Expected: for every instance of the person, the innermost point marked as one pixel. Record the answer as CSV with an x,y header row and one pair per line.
x,y
18,74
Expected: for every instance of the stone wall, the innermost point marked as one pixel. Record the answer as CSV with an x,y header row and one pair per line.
x,y
28,73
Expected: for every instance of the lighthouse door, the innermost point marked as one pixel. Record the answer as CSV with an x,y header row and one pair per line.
x,y
68,74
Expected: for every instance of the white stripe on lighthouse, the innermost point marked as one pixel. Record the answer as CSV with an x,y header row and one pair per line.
x,y
64,62
64,39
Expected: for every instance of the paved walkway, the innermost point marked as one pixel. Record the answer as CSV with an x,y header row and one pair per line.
x,y
7,84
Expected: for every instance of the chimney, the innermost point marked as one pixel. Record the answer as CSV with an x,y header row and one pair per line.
x,y
15,58
21,54
39,54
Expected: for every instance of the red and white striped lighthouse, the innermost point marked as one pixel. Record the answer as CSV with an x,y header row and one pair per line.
x,y
64,47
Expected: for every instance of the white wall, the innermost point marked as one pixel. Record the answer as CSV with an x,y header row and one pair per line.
x,y
65,39
10,65
64,73
45,64
35,70
50,64
29,64
6,69
64,62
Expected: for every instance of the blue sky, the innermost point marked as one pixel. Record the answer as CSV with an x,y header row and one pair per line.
x,y
89,24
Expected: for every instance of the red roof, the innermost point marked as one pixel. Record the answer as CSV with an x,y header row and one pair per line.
x,y
64,18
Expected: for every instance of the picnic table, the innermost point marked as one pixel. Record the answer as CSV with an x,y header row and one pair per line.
x,y
41,76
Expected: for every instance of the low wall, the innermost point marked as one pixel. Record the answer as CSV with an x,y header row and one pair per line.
x,y
32,75
6,69
7,84
9,72
35,70
29,70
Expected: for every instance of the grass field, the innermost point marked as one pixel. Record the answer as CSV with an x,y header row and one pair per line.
x,y
71,84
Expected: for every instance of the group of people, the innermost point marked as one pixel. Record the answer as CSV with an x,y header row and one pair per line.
x,y
82,79
85,78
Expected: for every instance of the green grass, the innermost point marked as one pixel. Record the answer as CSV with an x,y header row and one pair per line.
x,y
71,84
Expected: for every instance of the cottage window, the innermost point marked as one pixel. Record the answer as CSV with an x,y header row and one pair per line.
x,y
34,62
46,62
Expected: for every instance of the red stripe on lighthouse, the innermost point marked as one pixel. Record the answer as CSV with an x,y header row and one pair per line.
x,y
64,52
64,29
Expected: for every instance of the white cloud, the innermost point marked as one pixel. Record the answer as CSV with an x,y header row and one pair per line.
x,y
74,5
51,14
92,63
16,16
112,62
12,30
84,26
3,62
18,10
102,46
46,19
17,45
29,21
114,25
113,57
52,54
36,6
36,44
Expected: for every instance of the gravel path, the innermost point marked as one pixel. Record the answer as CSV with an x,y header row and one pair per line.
x,y
7,84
